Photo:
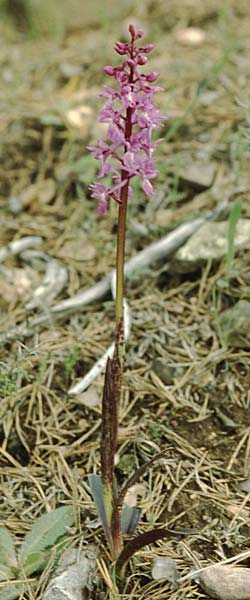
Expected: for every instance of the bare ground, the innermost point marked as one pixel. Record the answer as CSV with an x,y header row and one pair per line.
x,y
50,441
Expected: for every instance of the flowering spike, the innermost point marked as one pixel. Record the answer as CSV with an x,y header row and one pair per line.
x,y
132,117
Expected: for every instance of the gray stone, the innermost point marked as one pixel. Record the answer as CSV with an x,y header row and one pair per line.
x,y
199,175
165,569
75,576
225,582
210,242
245,485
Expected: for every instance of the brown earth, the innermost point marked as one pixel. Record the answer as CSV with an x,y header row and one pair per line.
x,y
51,69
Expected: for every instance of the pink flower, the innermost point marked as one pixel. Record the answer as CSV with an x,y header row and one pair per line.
x,y
132,116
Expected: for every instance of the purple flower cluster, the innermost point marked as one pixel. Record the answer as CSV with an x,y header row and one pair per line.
x,y
132,116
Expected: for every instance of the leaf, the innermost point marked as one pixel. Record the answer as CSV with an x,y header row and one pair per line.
x,y
37,561
95,484
7,548
149,537
6,572
130,517
12,591
46,530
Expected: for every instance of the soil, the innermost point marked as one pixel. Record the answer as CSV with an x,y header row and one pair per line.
x,y
51,69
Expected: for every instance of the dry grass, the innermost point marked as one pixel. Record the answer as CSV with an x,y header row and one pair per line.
x,y
49,442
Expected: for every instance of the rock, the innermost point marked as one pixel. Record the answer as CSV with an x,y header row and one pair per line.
x,y
75,576
165,569
36,194
78,249
79,119
234,324
54,281
198,175
245,485
167,372
190,36
210,242
225,582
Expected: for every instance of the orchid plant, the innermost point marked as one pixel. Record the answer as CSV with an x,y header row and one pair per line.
x,y
132,117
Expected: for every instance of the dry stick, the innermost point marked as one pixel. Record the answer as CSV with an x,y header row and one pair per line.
x,y
154,252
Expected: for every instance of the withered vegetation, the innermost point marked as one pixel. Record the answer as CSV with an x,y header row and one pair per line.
x,y
199,407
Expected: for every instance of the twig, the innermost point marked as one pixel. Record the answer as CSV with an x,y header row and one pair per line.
x,y
151,254
154,252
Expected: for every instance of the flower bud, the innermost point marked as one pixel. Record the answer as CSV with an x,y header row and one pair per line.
x,y
109,70
132,31
131,62
139,34
121,48
152,76
147,48
142,60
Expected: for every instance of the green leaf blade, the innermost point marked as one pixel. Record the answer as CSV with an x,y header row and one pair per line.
x,y
46,530
11,591
130,517
7,548
95,484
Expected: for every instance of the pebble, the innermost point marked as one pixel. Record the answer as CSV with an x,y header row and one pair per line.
x,y
224,582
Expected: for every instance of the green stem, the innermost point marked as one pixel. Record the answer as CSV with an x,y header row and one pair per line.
x,y
113,380
121,230
120,255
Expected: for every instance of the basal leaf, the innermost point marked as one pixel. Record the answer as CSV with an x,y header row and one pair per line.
x,y
45,532
7,548
130,517
12,591
36,561
140,541
39,560
95,484
6,572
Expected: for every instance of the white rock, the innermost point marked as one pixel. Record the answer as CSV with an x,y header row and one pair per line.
x,y
75,576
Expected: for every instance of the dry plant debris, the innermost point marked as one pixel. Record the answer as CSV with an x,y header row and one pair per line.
x,y
48,441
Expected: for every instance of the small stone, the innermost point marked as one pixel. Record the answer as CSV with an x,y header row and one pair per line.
x,y
225,582
78,248
198,175
74,577
190,36
245,485
79,119
165,569
90,397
